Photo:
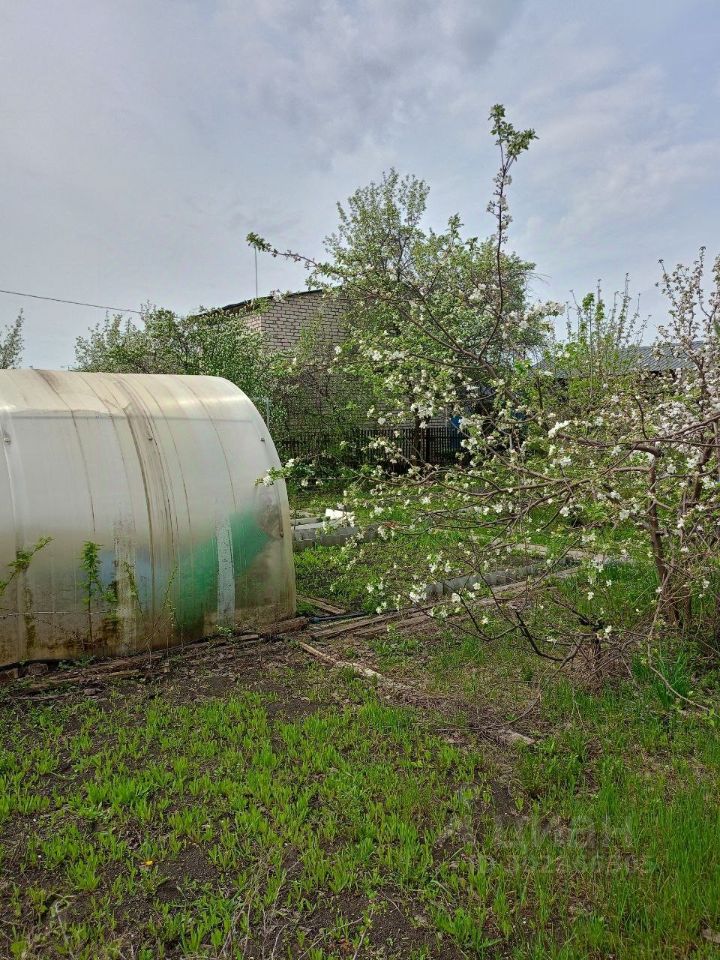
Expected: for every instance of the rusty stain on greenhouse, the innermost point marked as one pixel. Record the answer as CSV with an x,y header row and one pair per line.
x,y
161,473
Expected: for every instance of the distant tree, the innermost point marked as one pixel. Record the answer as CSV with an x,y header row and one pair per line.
x,y
209,342
418,300
12,343
602,344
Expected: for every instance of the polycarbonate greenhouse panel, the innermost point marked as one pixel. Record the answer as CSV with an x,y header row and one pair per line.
x,y
147,486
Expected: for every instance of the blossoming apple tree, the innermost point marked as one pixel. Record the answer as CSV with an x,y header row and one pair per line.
x,y
583,463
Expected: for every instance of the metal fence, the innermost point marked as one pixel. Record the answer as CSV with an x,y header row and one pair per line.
x,y
436,445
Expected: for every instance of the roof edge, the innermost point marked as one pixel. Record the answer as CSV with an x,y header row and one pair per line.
x,y
249,304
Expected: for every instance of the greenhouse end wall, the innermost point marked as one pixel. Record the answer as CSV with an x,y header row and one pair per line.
x,y
131,516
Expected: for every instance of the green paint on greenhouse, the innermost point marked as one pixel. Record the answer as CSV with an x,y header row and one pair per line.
x,y
196,587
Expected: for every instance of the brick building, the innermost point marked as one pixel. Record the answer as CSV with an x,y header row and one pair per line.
x,y
315,396
282,321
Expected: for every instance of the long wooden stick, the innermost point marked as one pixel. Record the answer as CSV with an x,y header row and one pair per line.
x,y
502,735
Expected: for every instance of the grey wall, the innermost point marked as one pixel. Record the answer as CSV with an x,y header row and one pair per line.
x,y
281,322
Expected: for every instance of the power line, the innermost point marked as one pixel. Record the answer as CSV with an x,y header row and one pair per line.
x,y
76,303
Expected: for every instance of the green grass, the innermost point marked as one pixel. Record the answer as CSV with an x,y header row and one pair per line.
x,y
296,815
434,548
343,574
178,830
613,848
625,798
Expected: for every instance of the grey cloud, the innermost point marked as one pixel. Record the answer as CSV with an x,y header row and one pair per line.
x,y
345,72
143,139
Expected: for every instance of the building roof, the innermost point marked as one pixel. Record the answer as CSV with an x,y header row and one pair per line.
x,y
656,359
649,358
249,304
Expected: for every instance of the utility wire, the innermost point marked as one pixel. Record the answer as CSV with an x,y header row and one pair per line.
x,y
76,303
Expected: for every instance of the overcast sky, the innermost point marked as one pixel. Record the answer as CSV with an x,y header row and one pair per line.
x,y
142,139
